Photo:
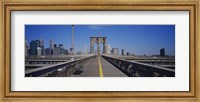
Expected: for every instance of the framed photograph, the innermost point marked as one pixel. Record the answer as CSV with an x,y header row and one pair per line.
x,y
99,49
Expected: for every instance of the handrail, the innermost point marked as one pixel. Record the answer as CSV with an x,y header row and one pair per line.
x,y
138,67
42,70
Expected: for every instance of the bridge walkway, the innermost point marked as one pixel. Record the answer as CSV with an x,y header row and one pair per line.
x,y
99,67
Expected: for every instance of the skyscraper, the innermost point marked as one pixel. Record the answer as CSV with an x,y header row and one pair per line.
x,y
39,51
33,48
51,47
38,43
123,52
51,44
162,52
42,46
42,50
41,42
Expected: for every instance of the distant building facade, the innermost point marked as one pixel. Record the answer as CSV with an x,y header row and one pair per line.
x,y
42,46
40,43
39,51
26,48
51,44
162,52
63,51
48,51
37,42
115,51
56,50
123,52
37,48
59,51
108,49
33,48
61,46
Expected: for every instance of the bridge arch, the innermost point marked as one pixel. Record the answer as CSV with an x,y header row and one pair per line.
x,y
98,41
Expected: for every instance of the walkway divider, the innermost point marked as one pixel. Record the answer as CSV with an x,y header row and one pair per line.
x,y
100,67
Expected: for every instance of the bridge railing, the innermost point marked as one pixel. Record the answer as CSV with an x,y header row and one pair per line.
x,y
137,69
58,70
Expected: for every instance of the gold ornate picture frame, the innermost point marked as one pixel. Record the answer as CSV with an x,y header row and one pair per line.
x,y
87,5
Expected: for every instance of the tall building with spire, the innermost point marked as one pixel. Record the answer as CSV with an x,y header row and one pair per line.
x,y
72,46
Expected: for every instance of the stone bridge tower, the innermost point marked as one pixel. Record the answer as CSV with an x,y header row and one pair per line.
x,y
98,41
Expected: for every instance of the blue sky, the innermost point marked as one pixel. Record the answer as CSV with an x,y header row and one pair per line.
x,y
139,39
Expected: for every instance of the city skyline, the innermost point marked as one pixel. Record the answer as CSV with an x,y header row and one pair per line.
x,y
137,39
